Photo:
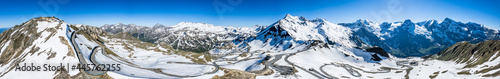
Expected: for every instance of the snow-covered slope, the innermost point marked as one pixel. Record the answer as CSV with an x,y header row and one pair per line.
x,y
196,37
38,41
293,47
420,38
317,48
479,59
49,41
296,47
293,31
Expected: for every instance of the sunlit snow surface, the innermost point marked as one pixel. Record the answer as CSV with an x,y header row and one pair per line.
x,y
316,57
52,44
140,60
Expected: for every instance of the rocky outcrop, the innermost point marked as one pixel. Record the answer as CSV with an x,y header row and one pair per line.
x,y
194,37
235,74
378,50
473,55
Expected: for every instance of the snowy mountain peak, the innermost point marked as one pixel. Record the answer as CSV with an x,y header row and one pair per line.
x,y
408,25
288,15
53,23
364,22
39,40
158,25
428,23
407,21
291,18
294,31
449,20
303,18
433,22
191,23
51,19
118,24
201,26
319,20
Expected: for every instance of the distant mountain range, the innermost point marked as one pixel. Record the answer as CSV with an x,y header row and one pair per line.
x,y
292,47
196,37
3,29
401,39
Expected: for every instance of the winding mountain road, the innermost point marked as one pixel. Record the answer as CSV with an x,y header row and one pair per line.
x,y
317,74
82,59
93,60
267,64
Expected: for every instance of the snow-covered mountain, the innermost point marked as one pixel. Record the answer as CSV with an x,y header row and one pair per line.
x,y
320,49
196,37
408,38
292,31
47,41
420,38
479,58
293,47
39,41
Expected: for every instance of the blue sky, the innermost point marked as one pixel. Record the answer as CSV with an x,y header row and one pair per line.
x,y
240,13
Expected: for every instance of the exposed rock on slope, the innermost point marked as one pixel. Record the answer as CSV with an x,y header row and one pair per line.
x,y
474,55
39,41
420,38
195,37
294,32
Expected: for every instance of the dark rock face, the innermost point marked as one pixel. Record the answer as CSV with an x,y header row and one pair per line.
x,y
375,58
378,50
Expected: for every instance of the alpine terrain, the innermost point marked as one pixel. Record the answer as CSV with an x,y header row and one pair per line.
x,y
292,47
